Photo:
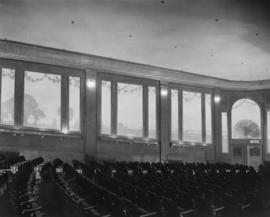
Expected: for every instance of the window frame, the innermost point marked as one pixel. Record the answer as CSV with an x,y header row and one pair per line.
x,y
12,64
202,91
267,130
9,126
81,106
62,102
65,72
228,133
145,83
245,140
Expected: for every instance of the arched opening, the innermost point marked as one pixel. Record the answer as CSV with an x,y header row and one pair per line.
x,y
246,120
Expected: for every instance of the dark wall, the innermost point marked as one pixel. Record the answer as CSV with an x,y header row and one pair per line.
x,y
67,148
192,154
131,151
48,147
127,151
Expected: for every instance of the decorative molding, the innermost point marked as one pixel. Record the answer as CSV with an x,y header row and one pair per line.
x,y
41,54
123,139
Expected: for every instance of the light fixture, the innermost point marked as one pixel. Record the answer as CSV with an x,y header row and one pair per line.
x,y
65,130
164,91
91,83
217,99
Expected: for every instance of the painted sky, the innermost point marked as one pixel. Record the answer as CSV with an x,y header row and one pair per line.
x,y
223,38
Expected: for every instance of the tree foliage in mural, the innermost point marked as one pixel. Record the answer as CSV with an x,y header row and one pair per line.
x,y
247,129
7,92
31,109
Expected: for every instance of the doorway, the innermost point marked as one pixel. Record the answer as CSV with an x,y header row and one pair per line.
x,y
246,153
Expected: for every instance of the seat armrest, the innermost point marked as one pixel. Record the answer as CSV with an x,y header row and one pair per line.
x,y
217,210
148,214
187,212
31,210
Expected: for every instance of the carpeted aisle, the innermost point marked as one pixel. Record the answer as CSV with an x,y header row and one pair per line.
x,y
6,207
55,204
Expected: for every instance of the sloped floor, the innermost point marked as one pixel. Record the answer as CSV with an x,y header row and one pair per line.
x,y
55,204
6,207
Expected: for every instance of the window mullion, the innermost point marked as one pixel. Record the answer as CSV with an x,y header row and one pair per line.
x,y
169,112
145,111
19,97
180,115
1,94
158,112
203,118
114,100
64,103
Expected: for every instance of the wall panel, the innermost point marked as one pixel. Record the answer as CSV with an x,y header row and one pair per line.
x,y
49,147
127,151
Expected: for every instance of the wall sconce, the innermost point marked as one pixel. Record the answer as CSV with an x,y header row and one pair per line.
x,y
217,99
146,139
91,83
17,127
164,91
65,130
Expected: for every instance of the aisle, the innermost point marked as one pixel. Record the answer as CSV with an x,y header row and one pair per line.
x,y
6,207
55,204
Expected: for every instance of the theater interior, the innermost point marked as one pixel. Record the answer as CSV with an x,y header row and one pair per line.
x,y
135,108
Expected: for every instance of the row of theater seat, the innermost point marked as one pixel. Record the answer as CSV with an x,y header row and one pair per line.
x,y
24,188
4,169
101,201
64,181
136,189
138,196
208,190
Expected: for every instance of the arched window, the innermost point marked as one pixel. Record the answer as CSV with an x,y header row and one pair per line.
x,y
246,120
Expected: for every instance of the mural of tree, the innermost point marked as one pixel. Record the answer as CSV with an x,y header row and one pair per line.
x,y
31,109
247,129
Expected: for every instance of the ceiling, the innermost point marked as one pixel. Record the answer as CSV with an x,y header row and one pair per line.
x,y
227,39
